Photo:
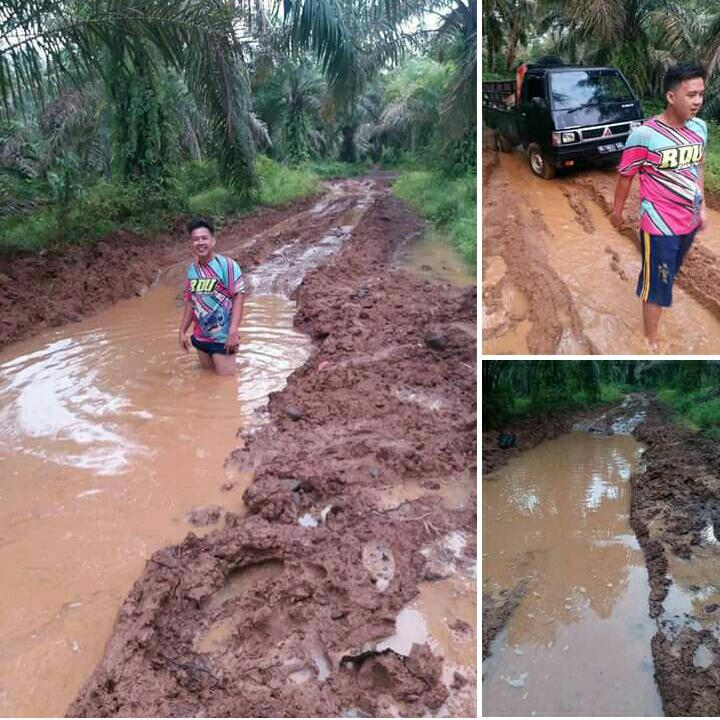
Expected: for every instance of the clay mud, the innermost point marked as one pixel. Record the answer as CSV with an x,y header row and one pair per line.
x,y
558,278
342,577
564,579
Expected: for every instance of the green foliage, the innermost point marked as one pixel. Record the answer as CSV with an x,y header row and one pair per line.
x,y
449,204
280,184
332,169
218,202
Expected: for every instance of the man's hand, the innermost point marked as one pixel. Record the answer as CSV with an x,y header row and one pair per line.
x,y
616,219
703,218
183,342
232,343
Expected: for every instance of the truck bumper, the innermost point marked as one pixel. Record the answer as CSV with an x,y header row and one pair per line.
x,y
596,151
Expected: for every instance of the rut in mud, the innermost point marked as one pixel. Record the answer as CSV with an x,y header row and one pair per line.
x,y
317,598
558,278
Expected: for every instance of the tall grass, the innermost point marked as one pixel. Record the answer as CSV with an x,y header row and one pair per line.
x,y
698,410
450,205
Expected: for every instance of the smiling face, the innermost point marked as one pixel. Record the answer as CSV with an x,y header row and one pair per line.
x,y
686,99
203,242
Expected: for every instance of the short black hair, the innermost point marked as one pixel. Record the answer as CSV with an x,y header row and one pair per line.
x,y
200,222
675,74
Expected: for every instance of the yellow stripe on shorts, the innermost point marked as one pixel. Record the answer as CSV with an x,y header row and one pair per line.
x,y
646,279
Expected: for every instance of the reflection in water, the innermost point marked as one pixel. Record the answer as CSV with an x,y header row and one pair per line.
x,y
109,436
555,518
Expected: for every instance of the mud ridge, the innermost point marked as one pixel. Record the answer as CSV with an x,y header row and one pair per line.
x,y
281,612
673,501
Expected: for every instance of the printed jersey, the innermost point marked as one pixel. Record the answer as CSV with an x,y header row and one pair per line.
x,y
211,289
669,161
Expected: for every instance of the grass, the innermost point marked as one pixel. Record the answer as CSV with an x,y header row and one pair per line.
x,y
559,399
449,204
100,209
698,410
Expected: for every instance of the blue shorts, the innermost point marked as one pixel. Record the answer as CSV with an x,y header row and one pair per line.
x,y
662,256
211,348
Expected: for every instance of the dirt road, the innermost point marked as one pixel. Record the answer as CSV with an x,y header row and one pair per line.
x,y
345,584
558,278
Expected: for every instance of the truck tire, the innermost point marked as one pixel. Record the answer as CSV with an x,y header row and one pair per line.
x,y
539,163
502,143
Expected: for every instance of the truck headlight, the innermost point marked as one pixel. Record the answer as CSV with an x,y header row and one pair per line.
x,y
562,138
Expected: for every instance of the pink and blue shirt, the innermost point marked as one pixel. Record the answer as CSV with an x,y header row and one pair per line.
x,y
211,288
669,162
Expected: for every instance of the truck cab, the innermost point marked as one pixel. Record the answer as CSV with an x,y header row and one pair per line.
x,y
563,115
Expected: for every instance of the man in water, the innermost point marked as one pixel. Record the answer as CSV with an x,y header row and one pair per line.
x,y
668,152
214,297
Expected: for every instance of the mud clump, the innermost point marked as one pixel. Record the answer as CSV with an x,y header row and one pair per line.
x,y
282,612
202,517
673,500
496,611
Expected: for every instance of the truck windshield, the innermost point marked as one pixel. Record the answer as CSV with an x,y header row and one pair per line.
x,y
582,88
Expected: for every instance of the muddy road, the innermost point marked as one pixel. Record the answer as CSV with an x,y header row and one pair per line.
x,y
607,601
559,279
331,565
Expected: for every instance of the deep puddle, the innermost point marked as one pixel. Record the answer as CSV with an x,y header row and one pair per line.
x,y
556,519
110,436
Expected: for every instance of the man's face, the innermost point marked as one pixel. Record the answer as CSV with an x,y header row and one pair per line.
x,y
203,242
687,98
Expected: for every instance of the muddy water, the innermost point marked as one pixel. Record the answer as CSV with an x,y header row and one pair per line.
x,y
109,436
433,256
555,519
598,266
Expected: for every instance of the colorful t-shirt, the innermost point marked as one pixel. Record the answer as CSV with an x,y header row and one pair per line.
x,y
211,289
669,162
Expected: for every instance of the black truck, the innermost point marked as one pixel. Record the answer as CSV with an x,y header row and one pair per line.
x,y
565,115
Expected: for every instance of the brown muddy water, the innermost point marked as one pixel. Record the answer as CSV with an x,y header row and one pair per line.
x,y
556,520
110,436
598,267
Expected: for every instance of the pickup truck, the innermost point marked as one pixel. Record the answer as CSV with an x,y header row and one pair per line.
x,y
564,115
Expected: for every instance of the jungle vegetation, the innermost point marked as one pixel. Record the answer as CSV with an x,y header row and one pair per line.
x,y
128,113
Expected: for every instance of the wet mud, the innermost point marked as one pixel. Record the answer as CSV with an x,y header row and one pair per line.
x,y
314,601
674,511
559,279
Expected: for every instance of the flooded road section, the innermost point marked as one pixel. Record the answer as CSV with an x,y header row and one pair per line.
x,y
110,436
558,278
555,523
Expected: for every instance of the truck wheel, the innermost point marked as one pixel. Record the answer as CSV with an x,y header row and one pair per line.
x,y
502,143
539,163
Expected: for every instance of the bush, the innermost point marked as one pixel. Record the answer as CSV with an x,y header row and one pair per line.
x,y
280,184
449,204
218,202
329,169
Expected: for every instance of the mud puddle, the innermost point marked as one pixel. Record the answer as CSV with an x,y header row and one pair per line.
x,y
559,278
110,437
433,256
555,528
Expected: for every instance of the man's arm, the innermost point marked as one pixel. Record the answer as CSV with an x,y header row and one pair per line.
x,y
187,318
622,190
231,345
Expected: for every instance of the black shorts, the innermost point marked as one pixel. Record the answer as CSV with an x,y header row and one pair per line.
x,y
211,348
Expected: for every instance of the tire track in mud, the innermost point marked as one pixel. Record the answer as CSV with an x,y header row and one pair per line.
x,y
290,609
556,281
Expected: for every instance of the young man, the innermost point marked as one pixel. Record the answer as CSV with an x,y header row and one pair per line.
x,y
668,153
214,296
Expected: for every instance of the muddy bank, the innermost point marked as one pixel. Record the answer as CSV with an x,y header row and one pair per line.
x,y
364,496
62,285
674,511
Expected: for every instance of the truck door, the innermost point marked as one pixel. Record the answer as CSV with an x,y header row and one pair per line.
x,y
535,123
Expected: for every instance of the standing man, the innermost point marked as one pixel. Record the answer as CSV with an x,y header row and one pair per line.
x,y
668,153
214,297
